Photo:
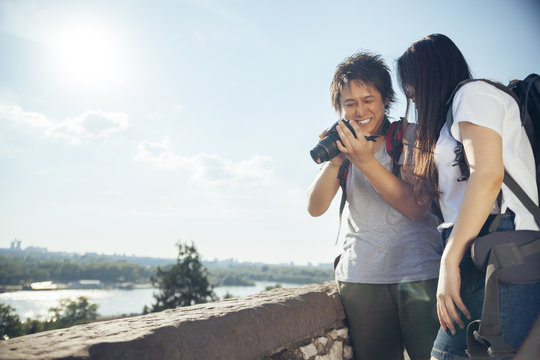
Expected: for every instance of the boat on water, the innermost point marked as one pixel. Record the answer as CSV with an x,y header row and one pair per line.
x,y
44,285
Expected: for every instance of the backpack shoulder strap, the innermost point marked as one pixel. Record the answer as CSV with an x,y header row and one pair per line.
x,y
528,92
343,173
394,144
459,151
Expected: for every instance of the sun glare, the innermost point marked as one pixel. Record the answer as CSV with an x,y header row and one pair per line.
x,y
89,56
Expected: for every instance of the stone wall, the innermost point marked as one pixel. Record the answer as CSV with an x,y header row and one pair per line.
x,y
303,323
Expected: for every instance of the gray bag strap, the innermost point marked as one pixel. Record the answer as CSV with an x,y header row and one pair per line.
x,y
484,337
522,196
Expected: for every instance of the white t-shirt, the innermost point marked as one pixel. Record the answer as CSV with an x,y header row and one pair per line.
x,y
483,104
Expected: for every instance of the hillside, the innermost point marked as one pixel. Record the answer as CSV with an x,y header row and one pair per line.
x,y
24,266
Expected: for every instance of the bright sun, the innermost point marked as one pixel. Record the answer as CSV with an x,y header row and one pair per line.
x,y
89,56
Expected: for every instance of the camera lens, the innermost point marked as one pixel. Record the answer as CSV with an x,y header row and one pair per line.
x,y
327,149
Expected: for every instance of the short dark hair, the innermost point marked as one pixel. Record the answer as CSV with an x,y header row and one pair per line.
x,y
366,67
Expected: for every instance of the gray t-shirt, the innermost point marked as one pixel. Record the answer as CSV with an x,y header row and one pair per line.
x,y
383,246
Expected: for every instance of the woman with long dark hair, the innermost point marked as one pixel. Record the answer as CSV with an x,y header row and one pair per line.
x,y
486,121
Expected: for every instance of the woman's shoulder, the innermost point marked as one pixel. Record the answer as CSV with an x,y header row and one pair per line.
x,y
482,90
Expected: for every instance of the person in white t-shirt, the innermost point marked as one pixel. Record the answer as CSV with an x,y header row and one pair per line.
x,y
487,123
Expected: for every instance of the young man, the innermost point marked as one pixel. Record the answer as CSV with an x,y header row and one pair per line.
x,y
387,273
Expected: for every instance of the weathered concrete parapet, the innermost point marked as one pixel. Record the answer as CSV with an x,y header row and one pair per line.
x,y
268,325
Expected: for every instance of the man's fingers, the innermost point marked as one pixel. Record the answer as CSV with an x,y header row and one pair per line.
x,y
344,136
340,147
356,128
348,131
343,130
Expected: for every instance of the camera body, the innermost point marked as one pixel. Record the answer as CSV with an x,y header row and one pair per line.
x,y
327,149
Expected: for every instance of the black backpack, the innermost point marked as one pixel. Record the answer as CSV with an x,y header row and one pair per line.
x,y
514,262
528,95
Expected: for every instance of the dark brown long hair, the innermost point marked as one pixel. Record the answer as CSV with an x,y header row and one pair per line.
x,y
428,72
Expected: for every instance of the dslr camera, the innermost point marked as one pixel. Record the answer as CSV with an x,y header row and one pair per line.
x,y
327,149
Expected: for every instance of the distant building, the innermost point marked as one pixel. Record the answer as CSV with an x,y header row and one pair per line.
x,y
35,249
85,284
15,245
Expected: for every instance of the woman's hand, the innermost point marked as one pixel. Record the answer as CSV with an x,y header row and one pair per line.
x,y
483,148
358,149
448,294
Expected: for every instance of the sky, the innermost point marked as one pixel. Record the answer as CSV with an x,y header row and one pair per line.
x,y
127,126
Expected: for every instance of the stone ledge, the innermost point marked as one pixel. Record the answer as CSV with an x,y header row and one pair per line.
x,y
247,328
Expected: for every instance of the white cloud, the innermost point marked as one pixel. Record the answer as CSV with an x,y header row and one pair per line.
x,y
208,168
16,113
92,124
158,154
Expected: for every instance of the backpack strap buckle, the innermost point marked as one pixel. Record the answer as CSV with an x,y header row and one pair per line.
x,y
497,347
486,346
461,162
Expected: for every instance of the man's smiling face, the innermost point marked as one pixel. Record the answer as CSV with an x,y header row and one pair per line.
x,y
364,105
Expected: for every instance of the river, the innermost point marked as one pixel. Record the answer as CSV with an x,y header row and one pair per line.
x,y
111,302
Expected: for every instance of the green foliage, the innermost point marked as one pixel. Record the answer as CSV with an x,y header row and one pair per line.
x,y
10,324
228,295
21,270
266,272
67,313
184,284
270,287
234,280
70,312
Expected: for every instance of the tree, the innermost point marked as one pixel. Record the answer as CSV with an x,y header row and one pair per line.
x,y
70,312
10,324
270,287
184,284
67,313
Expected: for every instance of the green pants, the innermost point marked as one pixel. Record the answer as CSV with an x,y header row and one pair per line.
x,y
385,318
